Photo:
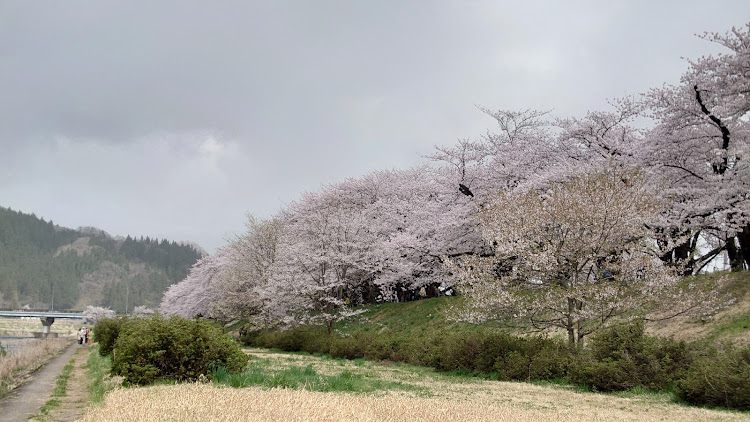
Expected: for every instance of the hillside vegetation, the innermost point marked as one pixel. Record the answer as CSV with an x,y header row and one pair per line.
x,y
42,264
424,318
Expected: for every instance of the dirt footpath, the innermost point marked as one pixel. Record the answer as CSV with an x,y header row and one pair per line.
x,y
73,404
26,400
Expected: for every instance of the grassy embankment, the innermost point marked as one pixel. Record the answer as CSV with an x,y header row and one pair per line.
x,y
731,324
422,319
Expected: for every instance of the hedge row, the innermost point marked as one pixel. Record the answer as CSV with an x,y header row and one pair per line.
x,y
144,350
617,359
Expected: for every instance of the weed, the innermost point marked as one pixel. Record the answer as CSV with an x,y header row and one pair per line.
x,y
98,368
61,386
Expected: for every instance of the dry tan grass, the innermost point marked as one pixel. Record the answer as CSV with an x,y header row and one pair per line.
x,y
690,328
202,402
15,366
442,398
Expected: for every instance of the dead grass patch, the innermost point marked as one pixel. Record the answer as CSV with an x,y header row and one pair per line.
x,y
203,402
15,366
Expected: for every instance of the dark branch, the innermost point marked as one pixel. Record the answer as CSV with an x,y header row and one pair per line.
x,y
720,124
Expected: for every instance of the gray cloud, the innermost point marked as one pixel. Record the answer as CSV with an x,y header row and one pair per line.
x,y
105,104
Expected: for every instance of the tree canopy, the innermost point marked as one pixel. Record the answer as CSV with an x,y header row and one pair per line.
x,y
560,221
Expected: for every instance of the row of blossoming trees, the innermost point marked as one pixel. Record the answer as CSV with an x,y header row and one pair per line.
x,y
547,222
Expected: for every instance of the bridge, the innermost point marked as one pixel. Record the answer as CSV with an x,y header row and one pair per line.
x,y
47,317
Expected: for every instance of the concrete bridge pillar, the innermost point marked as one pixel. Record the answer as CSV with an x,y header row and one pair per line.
x,y
46,323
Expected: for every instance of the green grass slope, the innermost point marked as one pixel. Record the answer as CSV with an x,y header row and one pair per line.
x,y
424,318
730,324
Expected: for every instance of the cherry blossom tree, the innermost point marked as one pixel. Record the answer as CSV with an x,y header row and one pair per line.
x,y
577,256
548,234
142,311
419,216
318,252
196,294
531,149
245,288
232,284
701,136
93,314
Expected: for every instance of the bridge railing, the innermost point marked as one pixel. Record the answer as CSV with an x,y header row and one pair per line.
x,y
56,311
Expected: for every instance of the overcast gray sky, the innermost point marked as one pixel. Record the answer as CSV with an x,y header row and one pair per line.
x,y
176,118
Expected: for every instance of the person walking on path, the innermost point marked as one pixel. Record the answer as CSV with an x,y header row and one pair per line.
x,y
81,334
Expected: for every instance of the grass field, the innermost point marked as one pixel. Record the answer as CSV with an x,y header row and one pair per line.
x,y
392,392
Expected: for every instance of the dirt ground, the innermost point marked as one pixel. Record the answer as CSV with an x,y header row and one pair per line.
x,y
73,404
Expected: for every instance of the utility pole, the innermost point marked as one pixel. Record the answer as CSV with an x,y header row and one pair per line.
x,y
127,294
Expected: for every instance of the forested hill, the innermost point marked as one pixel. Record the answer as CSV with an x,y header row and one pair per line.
x,y
42,264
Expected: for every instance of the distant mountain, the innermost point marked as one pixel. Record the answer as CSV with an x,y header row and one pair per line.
x,y
43,265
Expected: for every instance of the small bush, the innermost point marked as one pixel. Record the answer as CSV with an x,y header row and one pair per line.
x,y
513,365
383,348
155,348
347,347
550,361
718,378
106,332
624,357
604,375
459,351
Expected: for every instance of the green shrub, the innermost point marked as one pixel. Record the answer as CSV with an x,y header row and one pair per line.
x,y
492,348
316,339
668,361
510,357
604,375
623,357
411,350
513,365
106,332
347,347
550,361
384,347
156,348
310,339
250,337
459,351
718,378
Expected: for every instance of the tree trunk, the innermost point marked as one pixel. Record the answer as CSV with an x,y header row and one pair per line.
x,y
736,262
744,238
580,336
681,254
570,325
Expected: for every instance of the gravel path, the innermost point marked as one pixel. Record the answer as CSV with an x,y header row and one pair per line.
x,y
27,399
